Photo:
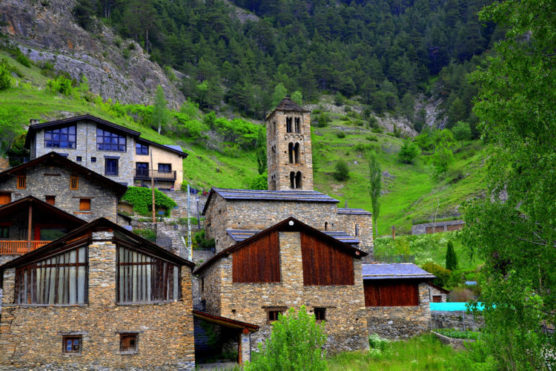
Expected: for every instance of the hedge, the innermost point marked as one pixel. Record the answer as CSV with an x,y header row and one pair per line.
x,y
141,199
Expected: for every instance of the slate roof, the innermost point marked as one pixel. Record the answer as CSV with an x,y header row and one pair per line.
x,y
239,235
168,147
348,211
287,105
263,195
394,271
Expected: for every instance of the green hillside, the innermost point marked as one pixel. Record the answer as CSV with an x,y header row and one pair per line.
x,y
222,151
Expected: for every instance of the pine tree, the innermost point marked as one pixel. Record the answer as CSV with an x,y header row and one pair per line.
x,y
375,186
451,258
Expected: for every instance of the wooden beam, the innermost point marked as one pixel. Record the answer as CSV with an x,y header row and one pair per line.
x,y
29,225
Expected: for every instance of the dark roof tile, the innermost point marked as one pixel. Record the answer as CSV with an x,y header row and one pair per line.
x,y
394,271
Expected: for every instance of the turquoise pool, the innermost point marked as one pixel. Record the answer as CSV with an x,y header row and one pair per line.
x,y
451,307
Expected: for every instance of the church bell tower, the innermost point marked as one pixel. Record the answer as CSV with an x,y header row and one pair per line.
x,y
288,143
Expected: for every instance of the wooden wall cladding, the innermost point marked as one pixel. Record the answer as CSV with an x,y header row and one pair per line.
x,y
324,264
258,261
391,293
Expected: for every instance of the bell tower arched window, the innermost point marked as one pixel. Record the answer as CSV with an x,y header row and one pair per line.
x,y
292,180
298,180
296,153
297,125
289,124
290,152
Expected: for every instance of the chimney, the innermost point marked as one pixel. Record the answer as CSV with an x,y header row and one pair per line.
x,y
33,121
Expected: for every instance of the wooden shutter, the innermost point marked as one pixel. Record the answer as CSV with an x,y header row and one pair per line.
x,y
258,262
21,181
74,183
85,204
5,198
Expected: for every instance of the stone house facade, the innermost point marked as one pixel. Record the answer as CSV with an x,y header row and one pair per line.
x,y
397,298
108,149
289,265
64,184
100,297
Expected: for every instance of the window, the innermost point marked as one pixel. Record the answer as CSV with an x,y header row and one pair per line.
x,y
164,168
74,183
142,169
111,166
273,313
128,343
60,138
142,278
141,149
5,198
21,181
4,231
78,158
320,314
72,344
51,200
85,204
288,124
61,279
437,298
93,159
109,141
297,125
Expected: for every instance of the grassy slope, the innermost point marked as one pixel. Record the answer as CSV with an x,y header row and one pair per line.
x,y
411,193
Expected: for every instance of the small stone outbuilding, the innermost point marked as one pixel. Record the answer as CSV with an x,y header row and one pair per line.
x,y
99,297
290,264
397,299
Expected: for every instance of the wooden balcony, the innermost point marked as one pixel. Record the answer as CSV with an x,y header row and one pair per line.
x,y
20,247
144,174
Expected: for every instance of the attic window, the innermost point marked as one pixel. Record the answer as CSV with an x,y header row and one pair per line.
x,y
74,183
21,181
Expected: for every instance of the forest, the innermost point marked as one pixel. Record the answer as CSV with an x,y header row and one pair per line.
x,y
385,53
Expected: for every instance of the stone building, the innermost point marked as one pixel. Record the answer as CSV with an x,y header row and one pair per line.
x,y
100,297
109,149
288,143
65,184
437,227
289,265
397,298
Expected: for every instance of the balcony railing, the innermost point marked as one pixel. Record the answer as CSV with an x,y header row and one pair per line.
x,y
20,247
144,174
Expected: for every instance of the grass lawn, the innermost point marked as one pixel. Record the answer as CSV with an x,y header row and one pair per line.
x,y
420,353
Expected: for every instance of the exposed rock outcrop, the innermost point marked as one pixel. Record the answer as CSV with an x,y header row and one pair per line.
x,y
115,68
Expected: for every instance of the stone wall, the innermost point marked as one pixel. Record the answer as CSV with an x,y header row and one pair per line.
x,y
278,139
31,336
459,320
363,225
445,226
403,321
259,215
86,148
346,324
45,181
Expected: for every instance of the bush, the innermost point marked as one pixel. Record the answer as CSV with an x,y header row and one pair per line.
x,y
442,274
61,84
376,342
340,134
5,77
341,171
441,160
462,131
409,152
201,242
295,343
141,199
259,182
147,233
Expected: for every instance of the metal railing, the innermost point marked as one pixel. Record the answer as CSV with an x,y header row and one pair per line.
x,y
20,247
145,174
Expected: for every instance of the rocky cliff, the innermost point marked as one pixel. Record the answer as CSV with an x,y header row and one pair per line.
x,y
118,69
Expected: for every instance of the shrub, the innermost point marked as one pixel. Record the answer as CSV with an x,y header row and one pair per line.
x,y
461,131
201,242
442,274
22,58
461,294
376,342
61,84
5,78
259,182
146,233
408,152
340,134
141,199
341,171
295,343
442,159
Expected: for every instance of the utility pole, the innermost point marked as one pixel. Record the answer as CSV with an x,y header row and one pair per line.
x,y
152,192
189,244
